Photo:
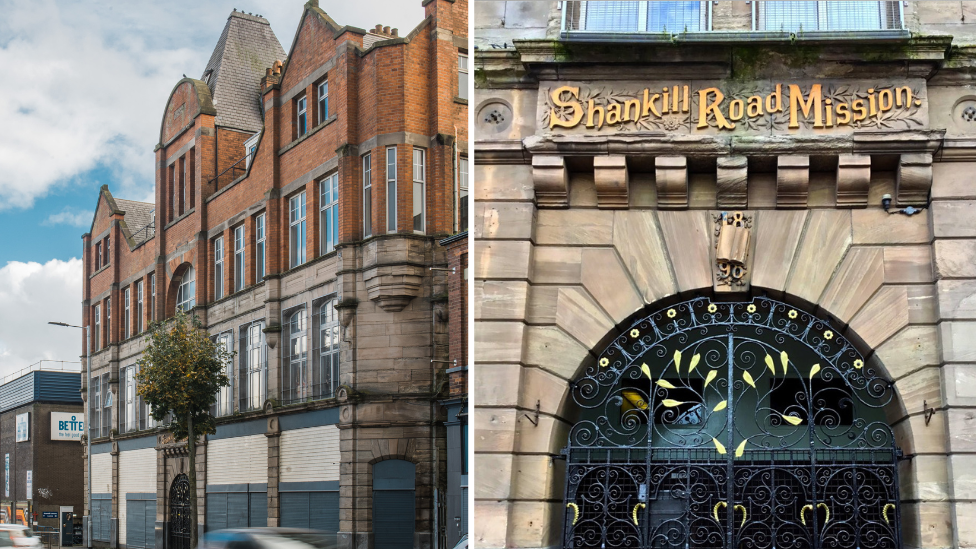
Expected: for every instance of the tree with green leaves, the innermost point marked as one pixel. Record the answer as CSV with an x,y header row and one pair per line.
x,y
180,374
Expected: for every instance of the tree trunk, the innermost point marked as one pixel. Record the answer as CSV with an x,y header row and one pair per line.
x,y
192,449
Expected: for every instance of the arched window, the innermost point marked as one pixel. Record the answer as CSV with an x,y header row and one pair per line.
x,y
394,504
254,367
327,372
731,425
186,292
295,382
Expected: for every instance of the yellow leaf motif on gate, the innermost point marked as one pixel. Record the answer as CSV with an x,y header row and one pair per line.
x,y
715,509
646,370
884,511
814,370
710,377
792,420
664,383
719,446
741,448
677,361
769,363
694,362
785,359
671,403
575,509
748,379
720,406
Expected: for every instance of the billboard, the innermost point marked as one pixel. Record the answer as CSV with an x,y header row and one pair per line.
x,y
67,426
23,427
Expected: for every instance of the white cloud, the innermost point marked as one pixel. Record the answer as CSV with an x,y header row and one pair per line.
x,y
31,295
69,217
93,78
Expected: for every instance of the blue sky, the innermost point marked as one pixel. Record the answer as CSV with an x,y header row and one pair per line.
x,y
87,84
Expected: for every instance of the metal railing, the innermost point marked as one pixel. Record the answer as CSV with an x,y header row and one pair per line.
x,y
149,230
614,17
230,174
43,365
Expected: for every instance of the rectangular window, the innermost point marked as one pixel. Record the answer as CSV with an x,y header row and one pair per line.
x,y
184,203
419,192
96,405
98,255
462,76
259,249
631,16
128,420
218,267
301,124
152,298
106,407
798,16
367,196
254,372
139,309
391,190
108,320
463,194
108,252
126,318
329,214
97,333
239,258
296,233
323,89
225,397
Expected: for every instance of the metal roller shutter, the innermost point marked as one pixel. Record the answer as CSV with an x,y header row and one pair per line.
x,y
294,510
216,511
464,511
259,509
150,525
394,518
135,524
237,514
324,512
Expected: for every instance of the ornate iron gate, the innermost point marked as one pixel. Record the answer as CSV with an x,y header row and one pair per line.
x,y
179,513
721,425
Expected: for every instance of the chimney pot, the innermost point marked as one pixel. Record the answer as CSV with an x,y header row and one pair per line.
x,y
386,30
378,29
395,32
267,72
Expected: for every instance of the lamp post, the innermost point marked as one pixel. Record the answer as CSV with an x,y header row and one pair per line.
x,y
88,433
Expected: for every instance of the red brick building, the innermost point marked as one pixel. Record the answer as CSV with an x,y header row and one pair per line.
x,y
300,198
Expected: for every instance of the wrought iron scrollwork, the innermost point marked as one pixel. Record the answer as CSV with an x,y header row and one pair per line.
x,y
732,424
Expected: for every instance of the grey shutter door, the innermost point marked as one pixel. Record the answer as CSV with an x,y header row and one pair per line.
x,y
106,519
96,519
135,524
393,518
259,509
237,510
150,524
464,511
323,511
216,512
294,510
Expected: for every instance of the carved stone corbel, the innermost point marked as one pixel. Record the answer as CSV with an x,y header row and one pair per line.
x,y
914,180
853,179
732,174
551,180
611,177
671,179
792,181
347,310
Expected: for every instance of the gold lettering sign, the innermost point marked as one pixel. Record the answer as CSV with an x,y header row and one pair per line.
x,y
762,106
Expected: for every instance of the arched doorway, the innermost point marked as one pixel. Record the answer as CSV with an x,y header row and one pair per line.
x,y
179,513
720,425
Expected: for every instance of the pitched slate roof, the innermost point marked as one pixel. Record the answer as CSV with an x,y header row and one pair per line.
x,y
137,216
247,47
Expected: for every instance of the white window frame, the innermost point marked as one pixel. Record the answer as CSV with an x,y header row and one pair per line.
x,y
186,291
140,307
463,75
323,100
329,213
298,341
296,230
420,189
255,366
704,14
301,112
391,189
367,195
96,344
128,408
225,395
152,299
94,424
239,259
329,351
126,317
108,321
218,248
823,19
260,251
250,147
463,192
